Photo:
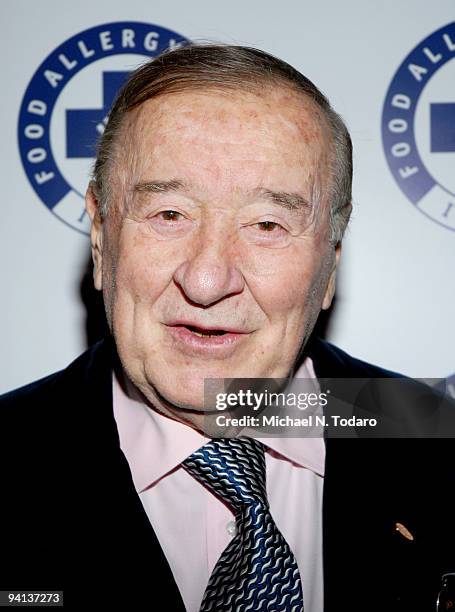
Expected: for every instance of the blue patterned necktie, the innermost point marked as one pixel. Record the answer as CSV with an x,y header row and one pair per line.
x,y
257,572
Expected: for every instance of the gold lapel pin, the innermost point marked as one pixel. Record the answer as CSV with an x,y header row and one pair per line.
x,y
404,532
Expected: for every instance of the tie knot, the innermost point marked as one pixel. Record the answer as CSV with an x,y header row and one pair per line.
x,y
234,468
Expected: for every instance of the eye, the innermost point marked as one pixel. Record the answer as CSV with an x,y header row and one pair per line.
x,y
269,226
267,233
169,215
169,223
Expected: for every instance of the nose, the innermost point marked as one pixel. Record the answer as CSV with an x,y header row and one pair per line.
x,y
210,272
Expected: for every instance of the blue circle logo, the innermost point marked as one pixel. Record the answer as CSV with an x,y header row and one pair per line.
x,y
418,126
65,107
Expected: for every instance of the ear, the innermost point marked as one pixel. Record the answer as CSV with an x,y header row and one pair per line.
x,y
330,291
96,235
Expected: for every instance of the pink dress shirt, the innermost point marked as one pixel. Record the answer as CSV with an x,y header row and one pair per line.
x,y
192,525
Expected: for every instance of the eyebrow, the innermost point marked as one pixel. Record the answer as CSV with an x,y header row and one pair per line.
x,y
160,186
290,201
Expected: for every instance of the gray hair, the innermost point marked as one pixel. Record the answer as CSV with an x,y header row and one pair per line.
x,y
224,67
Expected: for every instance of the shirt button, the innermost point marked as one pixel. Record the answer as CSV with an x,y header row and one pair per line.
x,y
231,528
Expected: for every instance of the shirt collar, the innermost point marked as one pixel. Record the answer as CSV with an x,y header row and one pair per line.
x,y
155,445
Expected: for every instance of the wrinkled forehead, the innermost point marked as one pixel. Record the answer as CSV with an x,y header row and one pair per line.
x,y
269,109
274,127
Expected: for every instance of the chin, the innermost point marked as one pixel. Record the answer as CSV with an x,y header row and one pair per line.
x,y
186,396
186,402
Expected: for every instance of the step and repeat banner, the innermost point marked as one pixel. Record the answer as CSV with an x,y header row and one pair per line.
x,y
387,67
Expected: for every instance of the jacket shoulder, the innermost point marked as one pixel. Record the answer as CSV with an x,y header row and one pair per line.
x,y
46,390
331,361
30,391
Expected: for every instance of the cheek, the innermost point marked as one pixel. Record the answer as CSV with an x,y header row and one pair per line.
x,y
289,284
138,279
136,272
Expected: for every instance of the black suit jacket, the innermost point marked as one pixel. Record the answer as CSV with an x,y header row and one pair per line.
x,y
70,518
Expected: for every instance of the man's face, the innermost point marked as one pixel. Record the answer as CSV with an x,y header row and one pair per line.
x,y
214,259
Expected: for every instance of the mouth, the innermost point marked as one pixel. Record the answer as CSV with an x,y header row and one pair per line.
x,y
205,340
204,330
204,333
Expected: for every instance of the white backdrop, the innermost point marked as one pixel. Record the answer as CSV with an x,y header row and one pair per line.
x,y
396,290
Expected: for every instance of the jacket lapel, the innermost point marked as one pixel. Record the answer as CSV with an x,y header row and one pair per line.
x,y
122,540
387,534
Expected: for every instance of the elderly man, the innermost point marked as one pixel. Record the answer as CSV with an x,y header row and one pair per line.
x,y
221,191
